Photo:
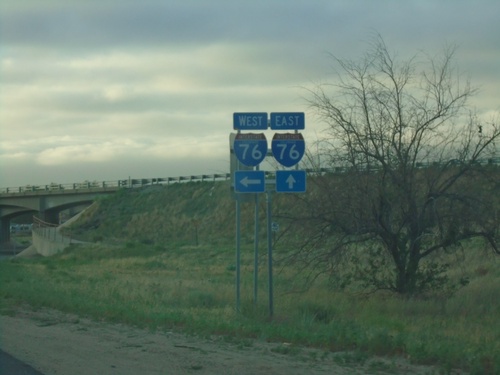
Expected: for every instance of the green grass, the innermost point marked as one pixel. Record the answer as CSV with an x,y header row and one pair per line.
x,y
191,288
148,269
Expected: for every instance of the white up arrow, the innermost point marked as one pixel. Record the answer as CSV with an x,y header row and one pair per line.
x,y
290,181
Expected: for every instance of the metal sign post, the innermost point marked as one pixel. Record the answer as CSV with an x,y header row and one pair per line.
x,y
256,253
247,151
238,252
270,254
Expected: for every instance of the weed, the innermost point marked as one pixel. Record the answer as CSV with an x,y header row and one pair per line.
x,y
286,349
197,298
349,358
316,312
149,273
245,343
377,365
154,265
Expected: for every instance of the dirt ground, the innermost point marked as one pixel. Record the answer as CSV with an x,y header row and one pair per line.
x,y
56,343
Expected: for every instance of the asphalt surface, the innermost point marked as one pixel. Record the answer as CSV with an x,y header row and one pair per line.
x,y
12,366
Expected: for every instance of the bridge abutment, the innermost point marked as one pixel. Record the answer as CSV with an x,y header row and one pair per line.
x,y
47,203
4,230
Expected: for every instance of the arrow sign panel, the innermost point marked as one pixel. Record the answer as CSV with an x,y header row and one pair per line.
x,y
250,148
288,148
290,181
249,181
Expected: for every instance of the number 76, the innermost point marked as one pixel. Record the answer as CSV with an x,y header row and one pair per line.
x,y
256,154
294,154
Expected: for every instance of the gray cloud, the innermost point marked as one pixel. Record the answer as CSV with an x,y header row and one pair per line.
x,y
121,87
83,25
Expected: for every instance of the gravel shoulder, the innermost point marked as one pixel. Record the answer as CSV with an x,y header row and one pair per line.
x,y
57,343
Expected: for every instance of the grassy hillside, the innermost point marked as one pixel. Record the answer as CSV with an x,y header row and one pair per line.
x,y
193,213
163,258
189,213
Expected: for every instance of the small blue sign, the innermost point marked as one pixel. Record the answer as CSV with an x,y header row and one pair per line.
x,y
288,148
250,121
290,181
250,148
249,181
288,120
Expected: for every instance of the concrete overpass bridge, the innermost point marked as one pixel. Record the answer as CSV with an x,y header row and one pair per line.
x,y
47,204
48,201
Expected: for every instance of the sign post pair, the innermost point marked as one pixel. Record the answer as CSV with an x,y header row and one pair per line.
x,y
251,149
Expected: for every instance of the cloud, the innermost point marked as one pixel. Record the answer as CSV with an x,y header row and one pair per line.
x,y
56,151
86,152
85,25
191,92
112,86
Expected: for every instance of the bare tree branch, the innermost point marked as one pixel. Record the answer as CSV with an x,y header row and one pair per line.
x,y
387,118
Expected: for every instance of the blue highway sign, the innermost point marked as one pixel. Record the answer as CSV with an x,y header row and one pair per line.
x,y
250,148
290,181
288,148
249,181
250,121
288,120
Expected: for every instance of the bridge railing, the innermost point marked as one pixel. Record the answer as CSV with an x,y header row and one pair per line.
x,y
49,231
115,184
141,182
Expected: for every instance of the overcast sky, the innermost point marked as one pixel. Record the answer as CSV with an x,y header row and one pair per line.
x,y
104,90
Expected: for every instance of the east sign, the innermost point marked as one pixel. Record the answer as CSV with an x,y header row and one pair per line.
x,y
287,121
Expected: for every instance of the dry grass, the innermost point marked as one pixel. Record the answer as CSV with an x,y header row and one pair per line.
x,y
168,263
192,288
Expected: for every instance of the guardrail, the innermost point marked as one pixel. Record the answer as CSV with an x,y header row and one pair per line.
x,y
131,183
116,184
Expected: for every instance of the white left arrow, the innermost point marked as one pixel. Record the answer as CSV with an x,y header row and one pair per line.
x,y
247,181
290,181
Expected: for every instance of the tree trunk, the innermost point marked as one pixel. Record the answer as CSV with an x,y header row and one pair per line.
x,y
406,277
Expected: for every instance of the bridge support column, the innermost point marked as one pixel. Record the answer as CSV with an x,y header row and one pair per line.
x,y
4,230
50,216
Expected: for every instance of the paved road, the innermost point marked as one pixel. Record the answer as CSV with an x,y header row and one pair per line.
x,y
11,366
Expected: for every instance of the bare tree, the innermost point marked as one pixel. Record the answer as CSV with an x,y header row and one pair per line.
x,y
416,173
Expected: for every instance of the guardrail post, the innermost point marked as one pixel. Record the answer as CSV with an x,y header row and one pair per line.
x,y
227,176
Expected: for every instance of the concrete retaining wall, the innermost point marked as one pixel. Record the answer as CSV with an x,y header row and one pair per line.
x,y
47,241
